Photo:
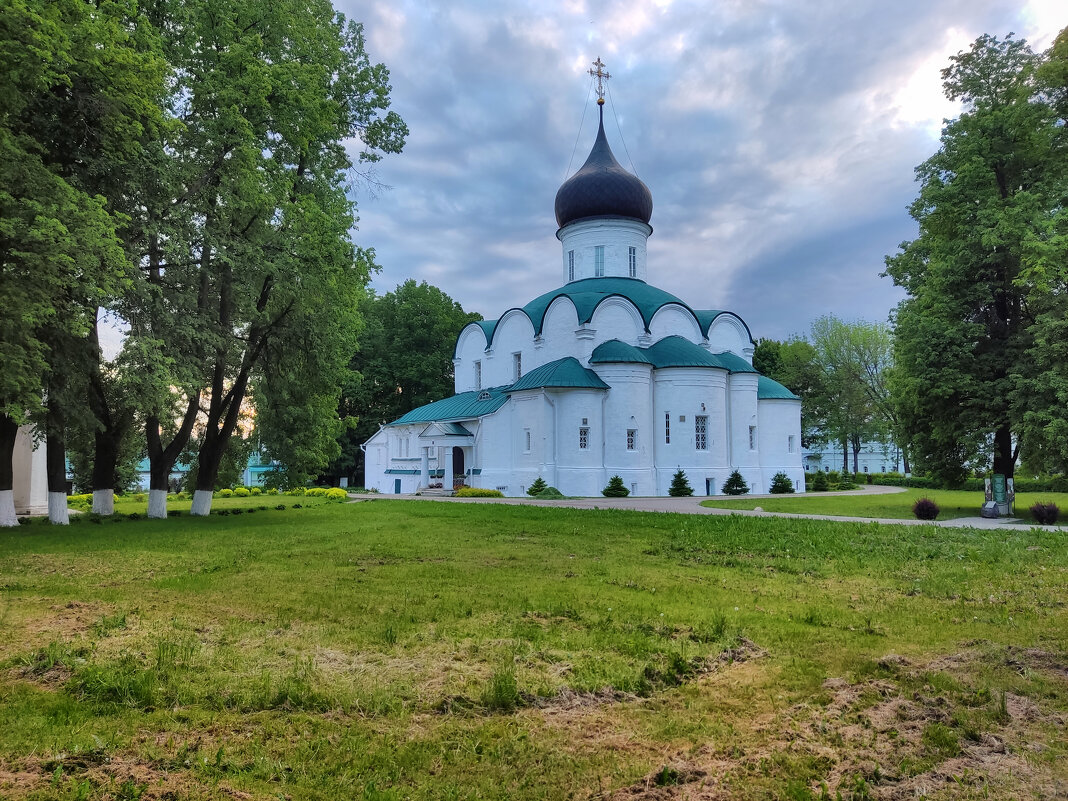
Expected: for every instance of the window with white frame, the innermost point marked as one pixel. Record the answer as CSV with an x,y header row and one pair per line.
x,y
632,439
571,265
700,432
752,438
633,262
790,444
478,375
667,427
598,261
584,438
517,366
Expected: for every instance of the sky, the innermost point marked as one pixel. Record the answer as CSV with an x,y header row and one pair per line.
x,y
779,140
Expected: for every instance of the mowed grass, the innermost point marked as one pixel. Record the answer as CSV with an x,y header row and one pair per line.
x,y
407,649
895,506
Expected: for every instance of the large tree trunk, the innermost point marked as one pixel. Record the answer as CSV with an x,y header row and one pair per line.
x,y
905,460
161,459
105,461
845,455
856,454
1004,457
56,468
9,430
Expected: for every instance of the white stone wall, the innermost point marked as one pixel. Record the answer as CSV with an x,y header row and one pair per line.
x,y
616,236
779,420
742,400
728,333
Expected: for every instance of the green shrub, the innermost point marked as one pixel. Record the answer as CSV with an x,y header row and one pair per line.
x,y
475,492
846,484
781,484
538,486
680,486
735,485
295,491
315,492
272,491
819,483
139,497
336,494
615,488
225,493
254,491
241,492
550,494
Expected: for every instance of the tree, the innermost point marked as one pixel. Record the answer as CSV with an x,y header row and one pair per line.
x,y
79,85
781,484
680,486
404,361
538,485
794,364
616,488
965,335
735,485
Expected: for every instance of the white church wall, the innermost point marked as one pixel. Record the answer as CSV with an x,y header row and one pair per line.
x,y
616,236
745,429
615,318
674,320
727,333
679,394
779,429
558,331
628,408
514,334
470,348
578,470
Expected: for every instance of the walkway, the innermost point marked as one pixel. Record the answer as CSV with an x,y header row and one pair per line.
x,y
692,506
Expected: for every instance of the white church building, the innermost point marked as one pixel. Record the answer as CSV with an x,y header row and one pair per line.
x,y
606,375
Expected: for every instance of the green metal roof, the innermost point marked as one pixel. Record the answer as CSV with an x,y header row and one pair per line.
x,y
676,351
615,350
733,362
773,390
488,327
448,430
566,372
465,406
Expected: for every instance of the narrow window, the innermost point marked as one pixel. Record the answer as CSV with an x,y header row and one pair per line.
x,y
526,432
584,439
634,262
598,261
632,439
752,438
700,430
571,265
667,427
790,444
517,364
865,468
478,375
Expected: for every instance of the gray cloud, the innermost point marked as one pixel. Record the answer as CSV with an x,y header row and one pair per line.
x,y
778,139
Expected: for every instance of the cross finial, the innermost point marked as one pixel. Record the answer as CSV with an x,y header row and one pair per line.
x,y
601,76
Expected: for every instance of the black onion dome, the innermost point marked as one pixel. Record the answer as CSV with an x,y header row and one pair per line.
x,y
602,188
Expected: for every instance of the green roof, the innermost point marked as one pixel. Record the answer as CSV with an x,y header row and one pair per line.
x,y
447,430
773,390
465,406
566,372
676,351
615,350
488,327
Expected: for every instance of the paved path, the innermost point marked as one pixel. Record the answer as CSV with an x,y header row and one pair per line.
x,y
692,506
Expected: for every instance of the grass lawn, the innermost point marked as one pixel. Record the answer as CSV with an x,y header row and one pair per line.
x,y
416,650
898,505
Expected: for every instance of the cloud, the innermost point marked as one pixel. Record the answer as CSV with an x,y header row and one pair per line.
x,y
778,139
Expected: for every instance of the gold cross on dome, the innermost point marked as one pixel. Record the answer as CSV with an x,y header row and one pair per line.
x,y
601,77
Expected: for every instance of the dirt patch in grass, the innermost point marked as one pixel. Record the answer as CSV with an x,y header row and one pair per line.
x,y
114,776
904,734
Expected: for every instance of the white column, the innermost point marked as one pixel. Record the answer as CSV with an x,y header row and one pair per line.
x,y
446,483
424,476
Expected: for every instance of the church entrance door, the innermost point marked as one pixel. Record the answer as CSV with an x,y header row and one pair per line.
x,y
457,467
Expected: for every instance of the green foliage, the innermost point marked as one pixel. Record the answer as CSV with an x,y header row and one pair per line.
x,y
819,482
476,492
537,486
794,364
226,493
615,488
735,485
550,494
241,492
680,486
336,494
781,484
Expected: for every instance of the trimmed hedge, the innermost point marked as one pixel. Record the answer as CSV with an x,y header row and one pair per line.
x,y
476,492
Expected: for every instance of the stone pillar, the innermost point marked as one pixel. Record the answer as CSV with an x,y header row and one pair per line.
x,y
424,473
446,483
30,485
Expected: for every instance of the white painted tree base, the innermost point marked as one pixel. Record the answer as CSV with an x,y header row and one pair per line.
x,y
57,509
7,509
104,502
201,503
157,503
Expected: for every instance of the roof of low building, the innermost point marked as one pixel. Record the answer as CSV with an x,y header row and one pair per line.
x,y
767,389
563,373
464,406
676,351
617,351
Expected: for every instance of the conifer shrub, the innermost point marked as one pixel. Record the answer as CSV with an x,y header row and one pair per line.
x,y
550,494
616,488
781,484
1045,514
925,509
680,486
539,485
819,483
735,485
476,492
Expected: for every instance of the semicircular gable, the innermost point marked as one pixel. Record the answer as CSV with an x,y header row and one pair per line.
x,y
616,317
515,324
478,329
675,319
728,331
